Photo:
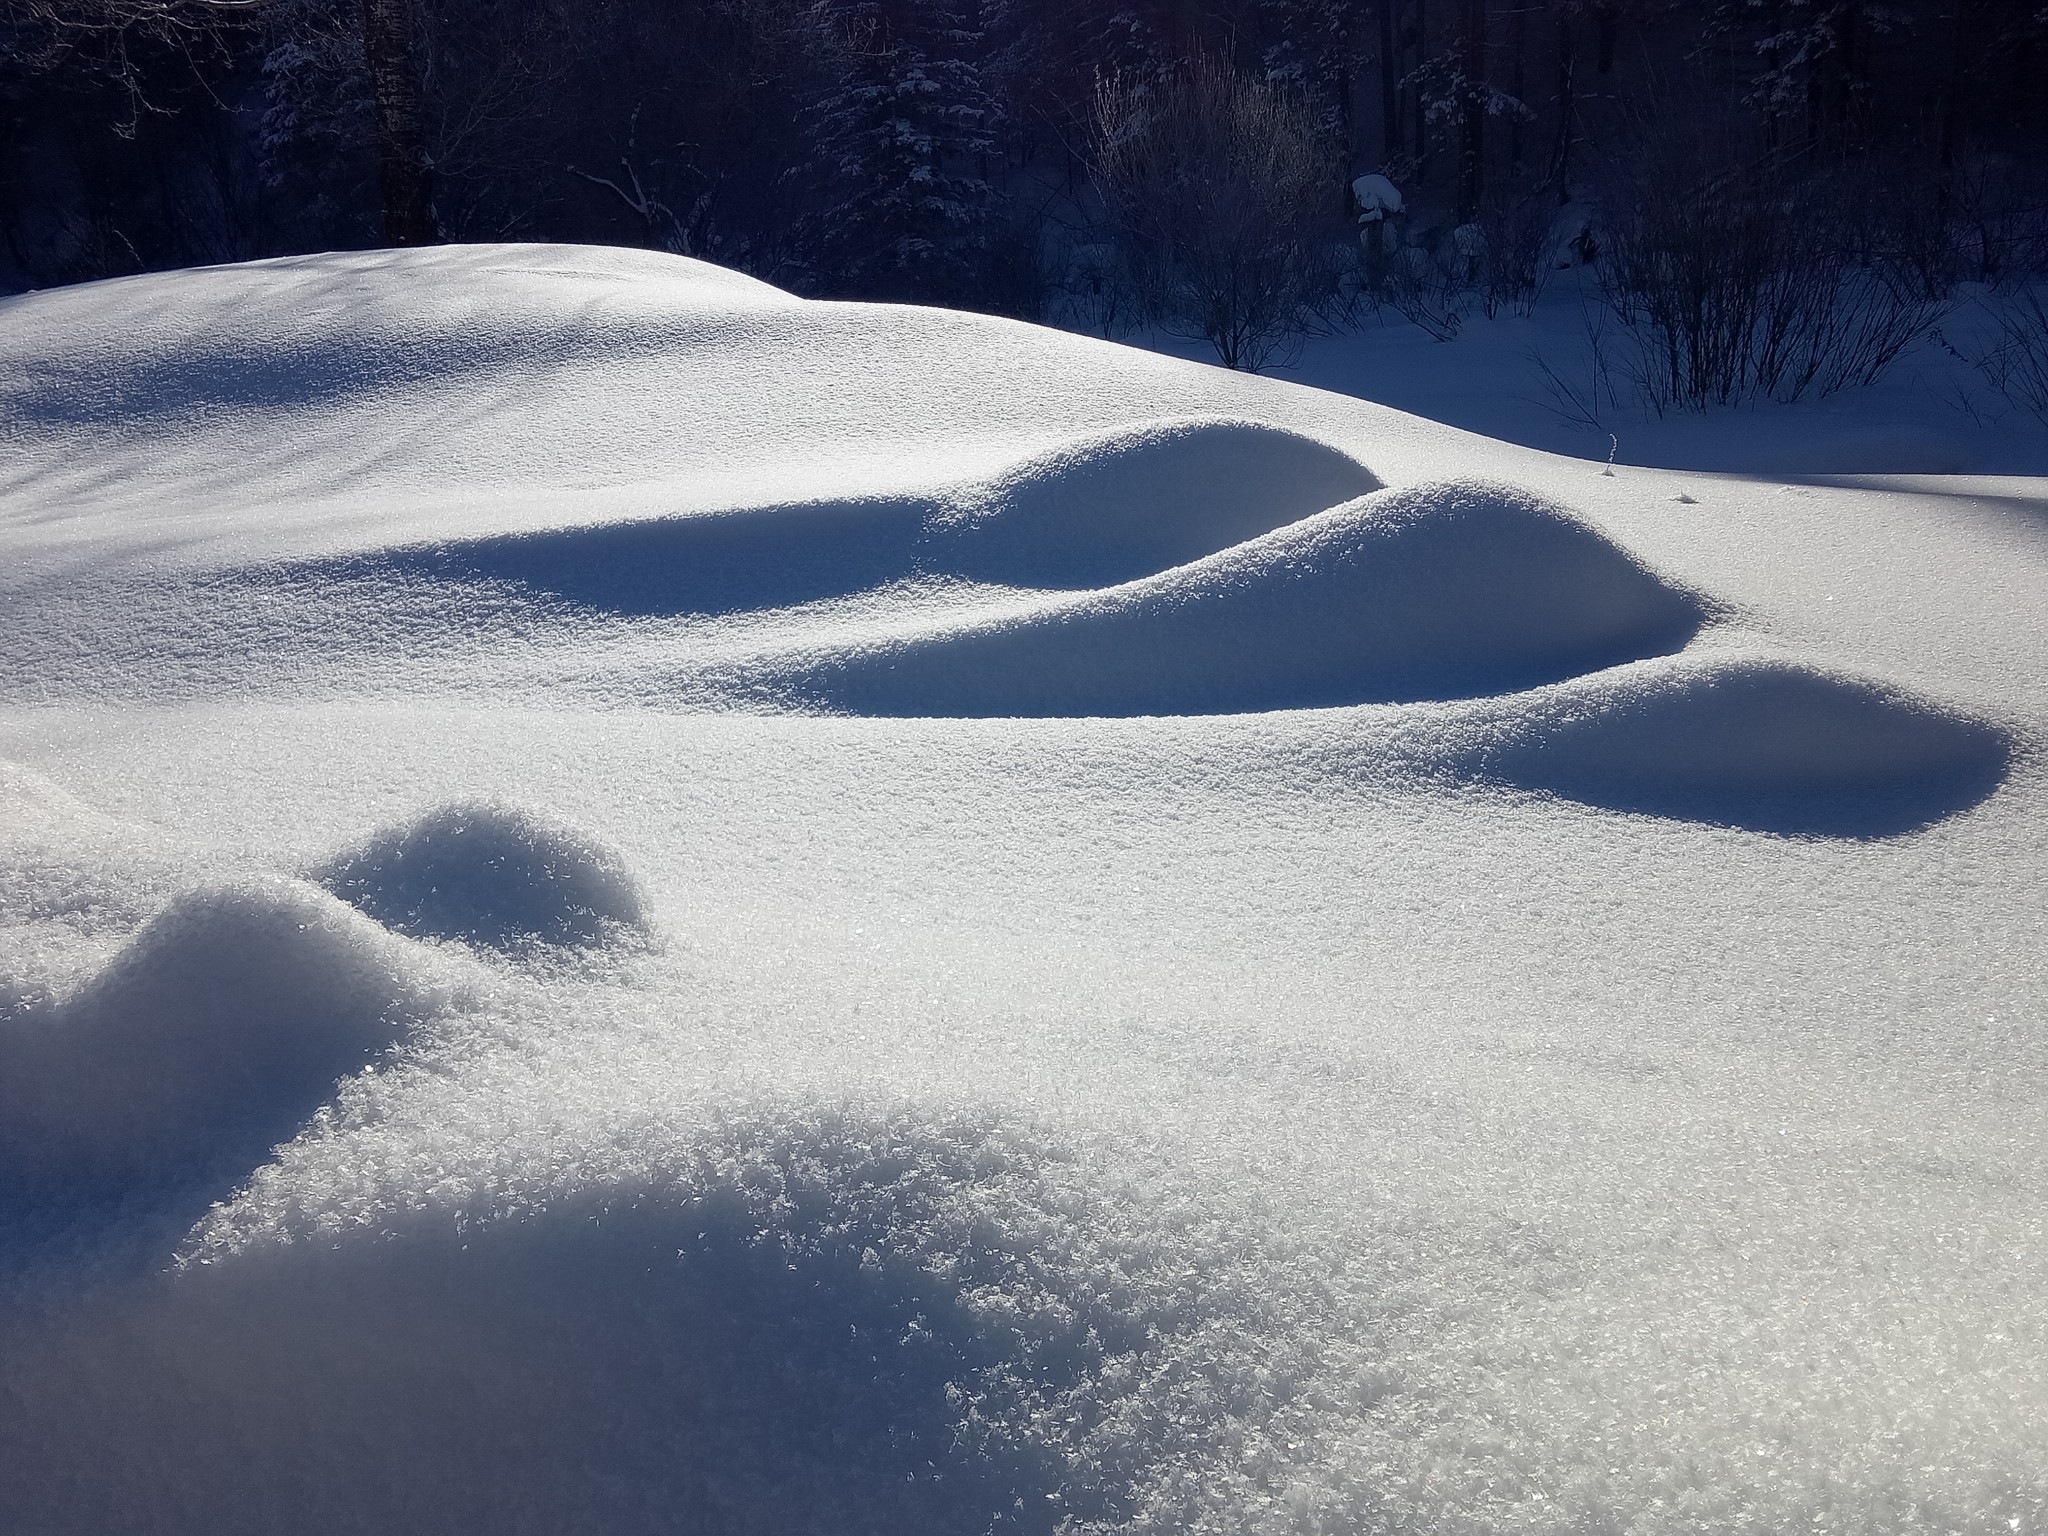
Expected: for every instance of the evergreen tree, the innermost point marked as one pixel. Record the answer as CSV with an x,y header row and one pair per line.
x,y
1313,46
904,143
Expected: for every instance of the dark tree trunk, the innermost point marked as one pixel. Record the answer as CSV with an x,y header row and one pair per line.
x,y
1567,107
1948,132
1813,104
1390,84
1472,122
1518,84
402,176
1855,79
1416,98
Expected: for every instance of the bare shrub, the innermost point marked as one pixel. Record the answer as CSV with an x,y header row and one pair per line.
x,y
1582,400
1429,289
1999,208
1514,258
1747,287
1495,263
1221,196
2016,363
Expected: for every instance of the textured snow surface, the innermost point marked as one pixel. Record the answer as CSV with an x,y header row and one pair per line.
x,y
1441,590
489,874
628,904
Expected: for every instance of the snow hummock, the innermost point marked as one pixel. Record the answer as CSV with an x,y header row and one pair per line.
x,y
781,1316
1755,742
495,875
1137,502
1436,591
1232,962
228,1017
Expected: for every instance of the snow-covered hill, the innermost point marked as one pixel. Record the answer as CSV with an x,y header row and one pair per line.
x,y
629,904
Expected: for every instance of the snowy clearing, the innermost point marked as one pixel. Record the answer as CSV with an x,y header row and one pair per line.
x,y
630,904
1558,378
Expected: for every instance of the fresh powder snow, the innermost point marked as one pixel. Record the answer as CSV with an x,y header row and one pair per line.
x,y
630,904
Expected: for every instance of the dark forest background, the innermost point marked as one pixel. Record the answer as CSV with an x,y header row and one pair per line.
x,y
1186,162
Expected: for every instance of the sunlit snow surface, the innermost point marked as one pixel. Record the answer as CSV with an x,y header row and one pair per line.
x,y
627,904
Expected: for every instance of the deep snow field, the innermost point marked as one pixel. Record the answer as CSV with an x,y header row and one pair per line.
x,y
930,926
1557,378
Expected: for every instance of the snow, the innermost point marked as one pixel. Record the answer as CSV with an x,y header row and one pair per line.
x,y
489,874
1440,590
1088,515
1377,197
229,1015
630,904
1754,741
1555,378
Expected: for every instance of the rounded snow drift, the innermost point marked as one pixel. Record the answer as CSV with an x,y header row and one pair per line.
x,y
490,875
214,1033
1138,501
1440,591
1759,743
810,1320
724,562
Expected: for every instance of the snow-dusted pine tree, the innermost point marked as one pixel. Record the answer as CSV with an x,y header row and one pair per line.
x,y
905,141
1313,46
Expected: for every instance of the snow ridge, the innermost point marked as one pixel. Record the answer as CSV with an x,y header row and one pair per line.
x,y
1438,591
1132,503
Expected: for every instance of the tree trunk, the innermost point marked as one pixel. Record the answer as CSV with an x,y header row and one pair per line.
x,y
1390,85
1567,107
1417,100
1948,132
1855,79
402,175
1518,84
1472,124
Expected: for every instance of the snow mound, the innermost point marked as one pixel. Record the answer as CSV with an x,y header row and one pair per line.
x,y
726,562
1446,590
492,875
1761,743
275,336
214,1032
798,1319
1138,501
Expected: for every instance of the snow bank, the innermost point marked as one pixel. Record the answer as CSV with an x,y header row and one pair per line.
x,y
1762,743
271,337
489,874
1446,590
797,1319
1106,509
1409,1148
214,1032
1132,503
714,563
